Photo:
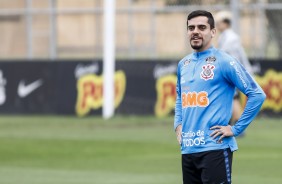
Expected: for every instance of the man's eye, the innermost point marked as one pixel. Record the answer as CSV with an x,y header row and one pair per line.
x,y
191,28
202,27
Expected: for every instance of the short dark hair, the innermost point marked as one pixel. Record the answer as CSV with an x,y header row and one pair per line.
x,y
204,13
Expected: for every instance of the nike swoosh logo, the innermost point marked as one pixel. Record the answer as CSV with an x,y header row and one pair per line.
x,y
24,90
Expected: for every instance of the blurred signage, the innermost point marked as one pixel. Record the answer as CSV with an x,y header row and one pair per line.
x,y
76,88
165,77
3,82
90,92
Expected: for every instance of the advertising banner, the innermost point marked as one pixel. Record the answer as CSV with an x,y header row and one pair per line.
x,y
76,87
27,87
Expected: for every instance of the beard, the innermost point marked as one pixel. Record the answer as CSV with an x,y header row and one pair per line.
x,y
196,46
196,42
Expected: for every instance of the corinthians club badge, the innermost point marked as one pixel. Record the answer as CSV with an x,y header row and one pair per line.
x,y
207,72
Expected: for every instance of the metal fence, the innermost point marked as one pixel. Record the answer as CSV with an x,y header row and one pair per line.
x,y
57,29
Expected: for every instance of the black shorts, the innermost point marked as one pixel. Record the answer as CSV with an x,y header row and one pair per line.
x,y
209,167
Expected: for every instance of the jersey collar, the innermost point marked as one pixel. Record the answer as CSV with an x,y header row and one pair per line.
x,y
205,53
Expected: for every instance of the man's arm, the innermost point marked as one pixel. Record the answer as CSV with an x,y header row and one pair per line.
x,y
235,73
178,108
254,102
178,132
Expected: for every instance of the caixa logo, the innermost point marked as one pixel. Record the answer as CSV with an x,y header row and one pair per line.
x,y
194,99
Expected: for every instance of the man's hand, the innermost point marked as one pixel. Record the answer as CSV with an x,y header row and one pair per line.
x,y
178,132
222,131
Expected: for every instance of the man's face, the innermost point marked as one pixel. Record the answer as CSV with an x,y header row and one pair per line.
x,y
200,33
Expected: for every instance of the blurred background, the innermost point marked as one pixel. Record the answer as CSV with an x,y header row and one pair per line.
x,y
53,29
151,34
51,90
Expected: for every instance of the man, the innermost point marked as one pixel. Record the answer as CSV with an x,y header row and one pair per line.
x,y
206,81
229,42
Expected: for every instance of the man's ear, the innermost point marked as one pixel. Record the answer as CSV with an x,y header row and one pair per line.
x,y
213,32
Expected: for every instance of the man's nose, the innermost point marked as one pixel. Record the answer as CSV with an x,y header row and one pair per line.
x,y
196,30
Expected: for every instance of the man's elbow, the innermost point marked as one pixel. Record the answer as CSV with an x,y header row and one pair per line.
x,y
261,97
258,97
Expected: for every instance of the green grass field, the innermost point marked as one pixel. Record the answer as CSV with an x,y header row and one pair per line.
x,y
123,150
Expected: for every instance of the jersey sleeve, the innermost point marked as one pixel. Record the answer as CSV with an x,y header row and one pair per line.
x,y
236,75
178,103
